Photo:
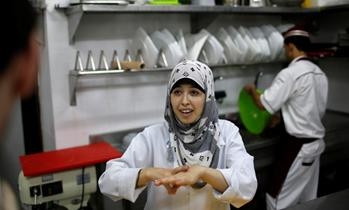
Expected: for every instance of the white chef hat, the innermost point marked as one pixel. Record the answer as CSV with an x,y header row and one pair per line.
x,y
295,31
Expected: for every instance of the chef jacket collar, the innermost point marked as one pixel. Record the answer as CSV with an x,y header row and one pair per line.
x,y
297,58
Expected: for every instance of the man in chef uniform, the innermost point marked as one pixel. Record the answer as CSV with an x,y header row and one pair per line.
x,y
300,92
19,62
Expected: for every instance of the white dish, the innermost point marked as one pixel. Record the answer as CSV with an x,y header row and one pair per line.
x,y
232,53
213,50
275,41
148,49
278,40
165,41
181,41
176,49
240,43
253,49
257,47
263,43
195,43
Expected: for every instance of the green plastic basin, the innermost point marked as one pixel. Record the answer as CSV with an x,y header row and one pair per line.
x,y
254,119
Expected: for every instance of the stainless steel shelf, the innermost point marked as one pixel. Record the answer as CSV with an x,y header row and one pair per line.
x,y
76,12
160,75
95,8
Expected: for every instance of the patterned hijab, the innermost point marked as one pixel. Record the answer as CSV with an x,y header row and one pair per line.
x,y
195,143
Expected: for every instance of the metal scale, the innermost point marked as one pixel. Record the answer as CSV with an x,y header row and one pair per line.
x,y
68,190
62,179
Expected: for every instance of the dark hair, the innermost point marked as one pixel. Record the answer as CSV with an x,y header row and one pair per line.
x,y
301,42
17,20
187,81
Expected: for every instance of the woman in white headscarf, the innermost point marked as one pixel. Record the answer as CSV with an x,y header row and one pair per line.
x,y
193,160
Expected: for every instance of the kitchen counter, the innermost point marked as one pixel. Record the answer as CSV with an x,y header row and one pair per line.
x,y
338,200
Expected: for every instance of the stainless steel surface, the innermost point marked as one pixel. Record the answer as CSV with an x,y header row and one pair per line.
x,y
90,60
103,61
117,2
76,12
286,3
195,9
257,3
115,58
338,201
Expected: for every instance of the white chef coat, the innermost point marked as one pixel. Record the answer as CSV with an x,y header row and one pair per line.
x,y
300,90
150,148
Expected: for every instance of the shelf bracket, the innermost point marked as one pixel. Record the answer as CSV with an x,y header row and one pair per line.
x,y
73,79
73,23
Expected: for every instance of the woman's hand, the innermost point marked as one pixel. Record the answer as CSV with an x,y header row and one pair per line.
x,y
147,175
182,178
193,175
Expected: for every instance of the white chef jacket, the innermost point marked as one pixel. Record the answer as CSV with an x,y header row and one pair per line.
x,y
300,90
151,148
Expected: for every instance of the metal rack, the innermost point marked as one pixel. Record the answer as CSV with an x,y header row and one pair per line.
x,y
76,12
103,68
153,75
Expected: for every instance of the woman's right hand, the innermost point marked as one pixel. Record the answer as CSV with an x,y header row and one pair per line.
x,y
147,175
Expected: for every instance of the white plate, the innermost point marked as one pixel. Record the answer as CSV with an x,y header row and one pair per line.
x,y
144,43
253,48
213,50
232,53
240,43
195,43
174,46
263,43
181,41
275,41
257,47
278,40
169,46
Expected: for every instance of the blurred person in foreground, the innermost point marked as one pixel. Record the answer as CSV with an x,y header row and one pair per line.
x,y
19,62
192,159
300,92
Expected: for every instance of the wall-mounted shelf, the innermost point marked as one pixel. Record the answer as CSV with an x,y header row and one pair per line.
x,y
76,12
160,75
196,9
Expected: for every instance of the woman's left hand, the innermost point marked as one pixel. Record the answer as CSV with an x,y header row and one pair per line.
x,y
186,178
194,174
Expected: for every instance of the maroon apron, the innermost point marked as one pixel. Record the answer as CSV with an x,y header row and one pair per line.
x,y
286,153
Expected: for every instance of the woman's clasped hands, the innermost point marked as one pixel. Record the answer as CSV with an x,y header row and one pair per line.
x,y
171,178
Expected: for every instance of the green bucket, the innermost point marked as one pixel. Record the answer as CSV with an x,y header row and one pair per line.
x,y
254,119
